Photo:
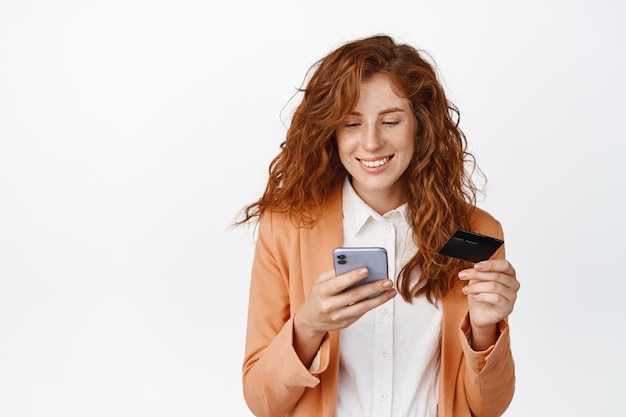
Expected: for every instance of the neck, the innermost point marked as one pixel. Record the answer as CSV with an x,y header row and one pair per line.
x,y
382,202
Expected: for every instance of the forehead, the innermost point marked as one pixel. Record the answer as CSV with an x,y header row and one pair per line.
x,y
378,91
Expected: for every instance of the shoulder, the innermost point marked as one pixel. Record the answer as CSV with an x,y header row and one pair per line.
x,y
284,224
484,223
305,249
285,219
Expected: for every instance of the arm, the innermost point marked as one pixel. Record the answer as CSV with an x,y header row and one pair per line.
x,y
286,330
274,377
491,291
488,376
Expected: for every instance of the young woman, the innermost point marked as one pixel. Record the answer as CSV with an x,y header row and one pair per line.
x,y
374,157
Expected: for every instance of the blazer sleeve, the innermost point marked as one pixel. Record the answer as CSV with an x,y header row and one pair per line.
x,y
274,378
488,376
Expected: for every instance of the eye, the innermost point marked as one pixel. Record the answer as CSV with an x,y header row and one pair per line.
x,y
391,122
352,124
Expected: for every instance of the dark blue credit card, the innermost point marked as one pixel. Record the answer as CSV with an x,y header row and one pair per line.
x,y
470,246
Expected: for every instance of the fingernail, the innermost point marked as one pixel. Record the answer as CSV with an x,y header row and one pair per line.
x,y
387,284
463,274
479,266
464,289
362,272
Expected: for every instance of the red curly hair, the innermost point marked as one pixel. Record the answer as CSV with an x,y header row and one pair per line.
x,y
439,189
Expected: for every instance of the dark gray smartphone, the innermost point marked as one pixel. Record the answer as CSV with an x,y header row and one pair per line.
x,y
470,246
373,258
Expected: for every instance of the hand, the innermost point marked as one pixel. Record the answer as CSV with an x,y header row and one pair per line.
x,y
328,307
491,293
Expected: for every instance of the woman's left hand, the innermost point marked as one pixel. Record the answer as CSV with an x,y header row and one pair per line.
x,y
491,293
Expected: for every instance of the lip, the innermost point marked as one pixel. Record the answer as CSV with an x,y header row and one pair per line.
x,y
375,163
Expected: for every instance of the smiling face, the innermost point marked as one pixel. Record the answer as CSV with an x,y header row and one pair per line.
x,y
376,143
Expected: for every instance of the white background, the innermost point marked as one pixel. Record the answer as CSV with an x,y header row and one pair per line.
x,y
132,132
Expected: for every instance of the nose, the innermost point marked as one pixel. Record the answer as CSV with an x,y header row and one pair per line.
x,y
372,139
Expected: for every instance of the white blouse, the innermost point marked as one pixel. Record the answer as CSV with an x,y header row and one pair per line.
x,y
390,357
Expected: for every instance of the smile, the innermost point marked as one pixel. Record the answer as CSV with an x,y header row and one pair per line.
x,y
376,163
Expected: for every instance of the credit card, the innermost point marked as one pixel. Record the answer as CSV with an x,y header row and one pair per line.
x,y
470,246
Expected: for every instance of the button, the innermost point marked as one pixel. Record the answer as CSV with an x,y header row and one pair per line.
x,y
384,353
385,310
387,229
382,396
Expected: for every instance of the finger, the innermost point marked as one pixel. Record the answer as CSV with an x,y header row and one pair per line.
x,y
368,290
325,276
496,278
357,309
329,284
336,304
344,281
480,274
503,305
496,265
490,287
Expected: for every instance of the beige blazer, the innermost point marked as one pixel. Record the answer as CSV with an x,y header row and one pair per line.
x,y
286,263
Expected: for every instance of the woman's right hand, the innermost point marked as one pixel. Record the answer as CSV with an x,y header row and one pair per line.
x,y
328,307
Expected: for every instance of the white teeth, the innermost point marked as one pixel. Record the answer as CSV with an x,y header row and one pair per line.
x,y
374,164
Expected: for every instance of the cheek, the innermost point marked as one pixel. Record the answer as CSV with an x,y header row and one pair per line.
x,y
343,148
345,152
411,142
408,150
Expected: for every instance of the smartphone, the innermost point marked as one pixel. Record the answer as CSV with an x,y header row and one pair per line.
x,y
373,258
470,246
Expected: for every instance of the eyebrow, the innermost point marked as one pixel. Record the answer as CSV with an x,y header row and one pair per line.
x,y
383,112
